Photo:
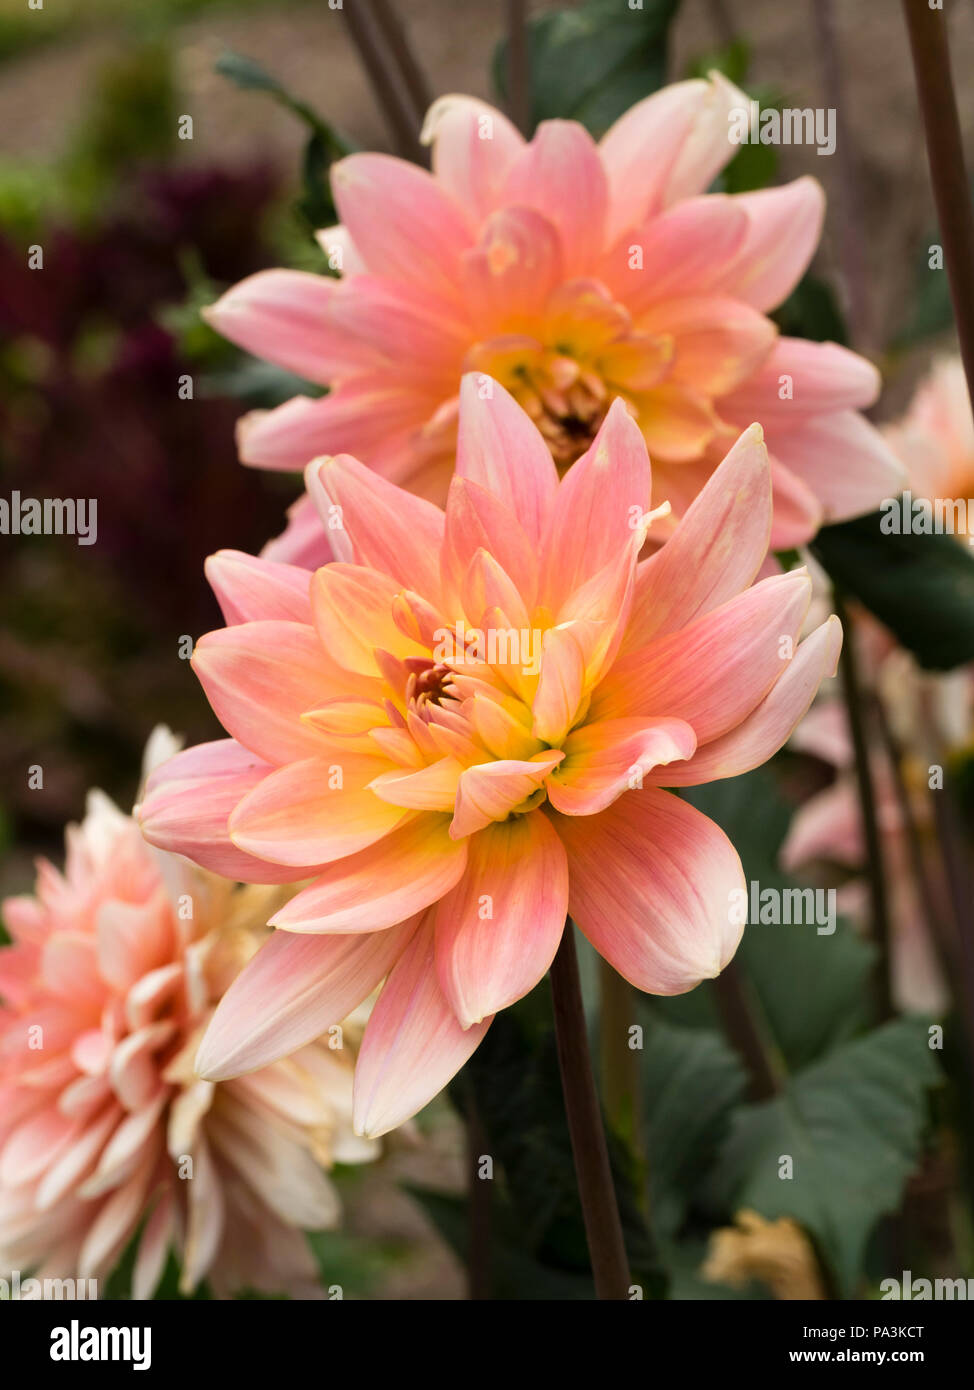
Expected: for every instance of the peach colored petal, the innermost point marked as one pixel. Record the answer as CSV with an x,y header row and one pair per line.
x,y
314,811
188,802
249,588
716,550
498,930
293,990
413,1043
715,671
282,315
490,791
603,760
769,726
402,222
652,885
261,677
376,888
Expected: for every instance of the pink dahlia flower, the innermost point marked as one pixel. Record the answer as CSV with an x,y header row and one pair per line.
x,y
573,273
461,732
113,973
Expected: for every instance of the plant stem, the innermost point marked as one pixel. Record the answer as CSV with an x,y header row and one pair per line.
x,y
743,1033
518,69
600,1209
855,708
852,256
945,154
478,1230
414,79
397,108
618,1062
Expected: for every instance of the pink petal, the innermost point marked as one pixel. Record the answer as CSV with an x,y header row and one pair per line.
x,y
603,760
362,414
714,672
413,1044
260,677
771,723
283,316
798,512
315,811
827,826
640,150
843,459
188,802
403,223
381,885
560,174
715,551
719,342
293,991
353,615
304,542
499,929
490,791
478,521
508,276
684,252
820,378
134,938
784,229
499,448
386,527
249,588
652,885
473,148
598,507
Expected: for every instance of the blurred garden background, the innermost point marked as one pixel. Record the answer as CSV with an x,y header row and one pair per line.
x,y
141,228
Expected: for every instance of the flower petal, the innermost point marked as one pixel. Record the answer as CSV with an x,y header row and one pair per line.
x,y
381,885
771,723
651,887
291,992
188,802
413,1044
607,758
716,550
498,930
315,811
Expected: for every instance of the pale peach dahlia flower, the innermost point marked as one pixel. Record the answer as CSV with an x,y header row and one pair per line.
x,y
461,730
574,273
104,994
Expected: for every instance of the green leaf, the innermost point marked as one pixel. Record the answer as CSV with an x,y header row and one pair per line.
x,y
324,145
778,961
592,63
812,311
852,1125
921,587
691,1081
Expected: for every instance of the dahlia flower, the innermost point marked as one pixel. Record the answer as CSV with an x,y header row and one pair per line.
x,y
113,973
574,273
461,731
